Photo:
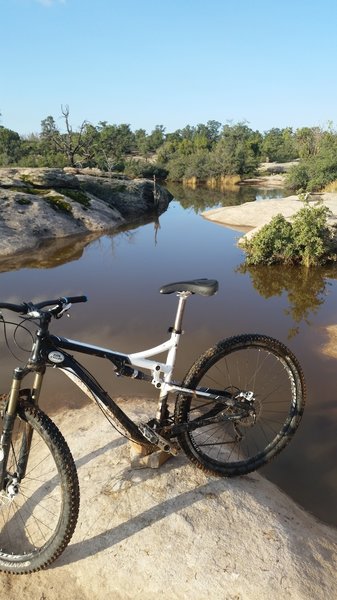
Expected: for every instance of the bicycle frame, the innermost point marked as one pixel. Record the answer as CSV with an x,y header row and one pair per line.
x,y
51,350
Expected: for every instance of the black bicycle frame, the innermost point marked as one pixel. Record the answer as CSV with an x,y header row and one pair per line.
x,y
51,350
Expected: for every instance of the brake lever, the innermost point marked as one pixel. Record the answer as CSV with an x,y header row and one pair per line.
x,y
59,314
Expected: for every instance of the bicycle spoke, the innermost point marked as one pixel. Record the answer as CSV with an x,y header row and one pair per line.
x,y
265,383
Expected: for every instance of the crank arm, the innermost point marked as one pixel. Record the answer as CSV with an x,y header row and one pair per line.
x,y
157,440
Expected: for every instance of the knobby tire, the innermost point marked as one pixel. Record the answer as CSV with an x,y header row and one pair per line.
x,y
254,363
37,524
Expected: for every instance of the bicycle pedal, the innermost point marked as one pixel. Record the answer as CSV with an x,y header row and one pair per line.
x,y
157,440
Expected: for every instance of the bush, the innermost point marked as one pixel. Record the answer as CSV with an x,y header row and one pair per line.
x,y
298,177
141,168
274,243
316,169
307,240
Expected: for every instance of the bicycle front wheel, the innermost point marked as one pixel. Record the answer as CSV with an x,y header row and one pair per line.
x,y
38,513
248,366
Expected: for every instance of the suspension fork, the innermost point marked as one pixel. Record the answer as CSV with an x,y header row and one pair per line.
x,y
10,414
28,433
8,421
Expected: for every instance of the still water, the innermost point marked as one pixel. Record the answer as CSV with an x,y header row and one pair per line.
x,y
122,273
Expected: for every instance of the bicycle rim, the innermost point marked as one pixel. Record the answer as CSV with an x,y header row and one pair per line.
x,y
38,519
250,363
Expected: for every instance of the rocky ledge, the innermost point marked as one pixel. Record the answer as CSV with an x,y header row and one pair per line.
x,y
176,533
252,216
41,204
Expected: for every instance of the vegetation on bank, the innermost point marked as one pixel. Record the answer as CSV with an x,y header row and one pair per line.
x,y
306,240
200,153
209,153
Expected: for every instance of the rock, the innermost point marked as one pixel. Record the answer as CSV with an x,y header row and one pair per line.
x,y
251,216
41,204
26,220
176,533
35,177
130,197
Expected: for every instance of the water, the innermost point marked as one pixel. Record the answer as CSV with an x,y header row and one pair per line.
x,y
122,273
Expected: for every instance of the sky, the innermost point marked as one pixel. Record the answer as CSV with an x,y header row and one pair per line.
x,y
168,62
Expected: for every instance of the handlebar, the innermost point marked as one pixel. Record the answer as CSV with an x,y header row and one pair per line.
x,y
18,308
28,308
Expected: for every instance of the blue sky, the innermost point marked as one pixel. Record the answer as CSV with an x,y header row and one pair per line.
x,y
175,62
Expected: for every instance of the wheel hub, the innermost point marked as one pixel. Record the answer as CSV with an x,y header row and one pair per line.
x,y
12,488
254,408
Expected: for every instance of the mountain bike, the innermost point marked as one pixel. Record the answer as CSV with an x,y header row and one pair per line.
x,y
237,407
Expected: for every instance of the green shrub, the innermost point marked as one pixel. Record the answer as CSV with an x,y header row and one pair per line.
x,y
274,243
307,240
298,177
314,239
141,168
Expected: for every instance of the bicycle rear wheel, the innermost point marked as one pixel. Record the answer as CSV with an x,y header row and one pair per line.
x,y
269,372
38,514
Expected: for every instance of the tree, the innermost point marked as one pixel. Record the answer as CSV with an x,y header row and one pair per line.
x,y
142,142
308,140
318,166
48,128
76,146
157,137
116,140
10,147
209,132
279,145
236,152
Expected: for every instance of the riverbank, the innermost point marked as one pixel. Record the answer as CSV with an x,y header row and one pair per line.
x,y
177,533
44,204
251,216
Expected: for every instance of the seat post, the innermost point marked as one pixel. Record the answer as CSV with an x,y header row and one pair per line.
x,y
180,311
176,331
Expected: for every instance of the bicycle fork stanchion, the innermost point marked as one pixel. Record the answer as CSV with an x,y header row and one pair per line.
x,y
8,421
37,384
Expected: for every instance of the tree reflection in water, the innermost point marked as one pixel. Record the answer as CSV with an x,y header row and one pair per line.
x,y
201,198
305,288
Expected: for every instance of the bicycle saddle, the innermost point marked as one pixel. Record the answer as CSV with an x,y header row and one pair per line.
x,y
204,287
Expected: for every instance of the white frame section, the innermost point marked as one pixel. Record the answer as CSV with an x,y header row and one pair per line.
x,y
141,359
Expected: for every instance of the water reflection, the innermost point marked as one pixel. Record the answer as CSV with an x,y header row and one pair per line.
x,y
306,289
57,252
267,193
202,198
49,254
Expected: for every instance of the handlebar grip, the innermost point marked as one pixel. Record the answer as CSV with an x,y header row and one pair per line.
x,y
60,301
76,299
